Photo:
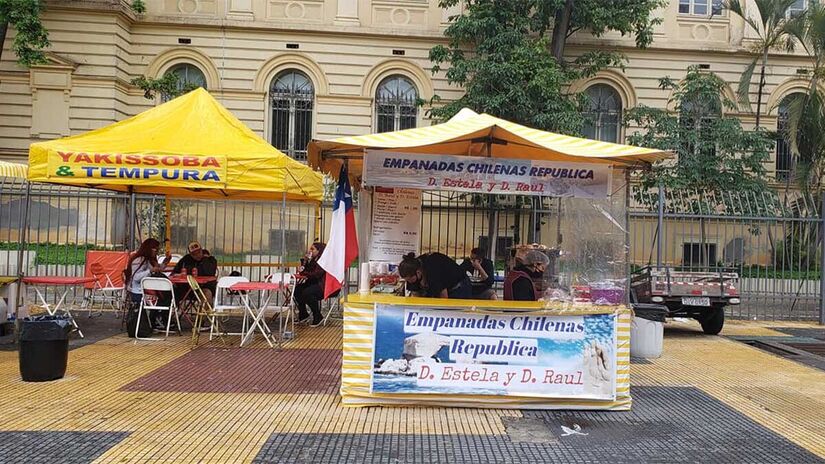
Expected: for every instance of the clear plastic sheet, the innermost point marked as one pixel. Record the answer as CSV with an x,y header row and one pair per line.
x,y
590,236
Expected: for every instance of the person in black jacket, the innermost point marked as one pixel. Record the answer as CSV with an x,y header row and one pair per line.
x,y
482,274
206,264
434,275
310,289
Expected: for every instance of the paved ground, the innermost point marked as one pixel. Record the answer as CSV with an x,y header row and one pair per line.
x,y
708,399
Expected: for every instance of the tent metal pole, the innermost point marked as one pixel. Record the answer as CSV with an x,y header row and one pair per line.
x,y
283,235
130,242
22,236
627,192
345,283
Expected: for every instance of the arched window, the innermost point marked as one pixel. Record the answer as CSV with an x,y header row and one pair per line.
x,y
603,120
396,104
784,155
292,97
189,78
697,115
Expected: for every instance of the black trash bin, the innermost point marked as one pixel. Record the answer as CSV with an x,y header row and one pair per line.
x,y
44,347
651,312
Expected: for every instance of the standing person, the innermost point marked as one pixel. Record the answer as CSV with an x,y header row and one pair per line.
x,y
519,285
206,265
310,291
435,275
482,274
142,264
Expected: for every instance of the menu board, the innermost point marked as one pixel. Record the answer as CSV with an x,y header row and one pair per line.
x,y
396,224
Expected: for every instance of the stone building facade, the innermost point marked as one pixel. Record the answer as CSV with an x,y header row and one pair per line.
x,y
299,69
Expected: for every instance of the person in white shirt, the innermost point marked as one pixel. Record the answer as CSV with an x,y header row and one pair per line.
x,y
142,264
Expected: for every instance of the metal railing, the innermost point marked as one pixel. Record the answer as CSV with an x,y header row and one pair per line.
x,y
772,241
255,238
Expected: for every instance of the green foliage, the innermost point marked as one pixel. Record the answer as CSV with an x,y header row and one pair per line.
x,y
806,133
499,52
713,152
31,37
797,252
773,28
169,86
628,17
806,122
56,254
138,6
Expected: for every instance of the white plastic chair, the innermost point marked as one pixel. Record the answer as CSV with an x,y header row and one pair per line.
x,y
235,307
157,284
284,305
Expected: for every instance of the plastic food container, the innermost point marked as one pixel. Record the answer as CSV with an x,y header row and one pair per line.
x,y
607,293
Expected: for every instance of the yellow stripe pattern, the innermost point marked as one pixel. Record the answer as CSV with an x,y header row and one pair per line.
x,y
15,170
452,137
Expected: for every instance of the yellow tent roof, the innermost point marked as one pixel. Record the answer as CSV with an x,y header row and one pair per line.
x,y
13,170
469,133
188,147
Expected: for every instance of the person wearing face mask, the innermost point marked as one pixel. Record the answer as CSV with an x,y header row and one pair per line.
x,y
435,275
310,289
518,285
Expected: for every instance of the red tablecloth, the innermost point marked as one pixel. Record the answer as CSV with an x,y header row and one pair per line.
x,y
183,279
57,280
252,286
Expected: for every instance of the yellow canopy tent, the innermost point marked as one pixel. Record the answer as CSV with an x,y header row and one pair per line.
x,y
466,134
472,134
189,147
14,170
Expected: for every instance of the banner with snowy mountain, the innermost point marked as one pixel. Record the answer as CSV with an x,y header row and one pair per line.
x,y
524,354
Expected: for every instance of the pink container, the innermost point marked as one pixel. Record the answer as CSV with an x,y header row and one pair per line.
x,y
604,295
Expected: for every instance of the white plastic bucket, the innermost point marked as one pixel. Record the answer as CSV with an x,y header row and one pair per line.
x,y
646,338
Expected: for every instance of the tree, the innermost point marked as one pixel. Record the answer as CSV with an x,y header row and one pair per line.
x,y
806,115
32,37
500,53
169,86
773,28
713,152
566,17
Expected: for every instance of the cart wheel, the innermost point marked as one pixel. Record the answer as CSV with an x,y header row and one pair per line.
x,y
713,320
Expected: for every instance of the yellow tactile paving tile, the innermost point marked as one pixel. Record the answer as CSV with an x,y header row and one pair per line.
x,y
231,427
201,427
754,328
785,396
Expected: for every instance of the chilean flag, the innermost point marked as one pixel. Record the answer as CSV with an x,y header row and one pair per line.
x,y
343,243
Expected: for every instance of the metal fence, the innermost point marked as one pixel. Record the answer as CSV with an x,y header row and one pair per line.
x,y
772,241
254,238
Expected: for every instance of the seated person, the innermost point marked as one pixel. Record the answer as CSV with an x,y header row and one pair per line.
x,y
482,274
434,275
310,289
518,285
199,259
144,263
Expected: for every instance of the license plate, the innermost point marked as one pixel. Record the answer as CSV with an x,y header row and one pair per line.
x,y
696,301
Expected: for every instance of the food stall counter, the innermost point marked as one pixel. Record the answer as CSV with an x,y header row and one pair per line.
x,y
484,354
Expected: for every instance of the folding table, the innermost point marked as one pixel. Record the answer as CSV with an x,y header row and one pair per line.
x,y
182,279
57,281
244,288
